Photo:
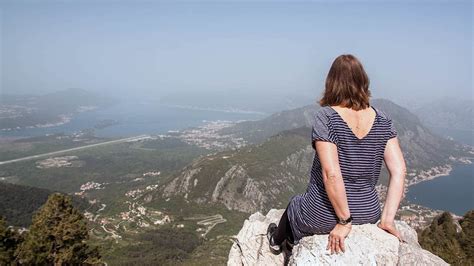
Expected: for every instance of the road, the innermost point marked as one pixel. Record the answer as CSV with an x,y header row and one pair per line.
x,y
209,221
75,149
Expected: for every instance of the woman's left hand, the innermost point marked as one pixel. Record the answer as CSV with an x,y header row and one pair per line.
x,y
391,228
337,237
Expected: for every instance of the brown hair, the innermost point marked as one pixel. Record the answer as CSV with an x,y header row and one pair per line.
x,y
347,84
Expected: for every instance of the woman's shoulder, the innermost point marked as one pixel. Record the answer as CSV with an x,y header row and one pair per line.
x,y
382,114
324,112
387,122
321,126
322,116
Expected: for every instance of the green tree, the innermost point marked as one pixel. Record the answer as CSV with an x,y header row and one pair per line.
x,y
451,241
466,238
57,236
9,240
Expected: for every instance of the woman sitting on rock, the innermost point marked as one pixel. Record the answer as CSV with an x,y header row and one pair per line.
x,y
351,138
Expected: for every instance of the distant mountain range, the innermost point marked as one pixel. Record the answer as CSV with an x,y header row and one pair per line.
x,y
448,113
420,145
20,111
239,99
267,173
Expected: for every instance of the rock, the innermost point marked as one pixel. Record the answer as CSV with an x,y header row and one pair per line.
x,y
365,245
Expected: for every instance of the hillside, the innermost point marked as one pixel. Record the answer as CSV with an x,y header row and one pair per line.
x,y
421,146
256,177
18,203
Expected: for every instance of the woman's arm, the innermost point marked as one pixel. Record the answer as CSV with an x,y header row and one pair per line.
x,y
332,178
336,191
395,164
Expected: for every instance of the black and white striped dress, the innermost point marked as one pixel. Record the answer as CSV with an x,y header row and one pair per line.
x,y
360,162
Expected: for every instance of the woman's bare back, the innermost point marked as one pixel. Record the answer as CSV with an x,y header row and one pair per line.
x,y
360,122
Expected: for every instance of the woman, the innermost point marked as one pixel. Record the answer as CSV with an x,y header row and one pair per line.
x,y
351,138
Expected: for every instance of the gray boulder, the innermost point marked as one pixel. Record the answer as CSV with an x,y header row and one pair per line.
x,y
365,245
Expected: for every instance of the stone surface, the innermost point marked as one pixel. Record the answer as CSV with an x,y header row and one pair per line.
x,y
365,245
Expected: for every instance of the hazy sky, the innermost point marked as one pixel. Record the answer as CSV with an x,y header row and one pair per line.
x,y
411,51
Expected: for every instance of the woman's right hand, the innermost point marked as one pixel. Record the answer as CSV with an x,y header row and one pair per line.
x,y
390,228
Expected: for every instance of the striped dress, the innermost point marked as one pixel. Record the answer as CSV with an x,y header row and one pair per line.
x,y
360,161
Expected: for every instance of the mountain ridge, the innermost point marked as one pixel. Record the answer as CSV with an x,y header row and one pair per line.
x,y
267,173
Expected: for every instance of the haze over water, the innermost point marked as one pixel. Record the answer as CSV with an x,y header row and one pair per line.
x,y
135,119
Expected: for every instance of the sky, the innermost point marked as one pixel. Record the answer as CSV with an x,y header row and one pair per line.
x,y
413,51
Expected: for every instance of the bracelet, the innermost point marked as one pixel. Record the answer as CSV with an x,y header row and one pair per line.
x,y
349,224
344,221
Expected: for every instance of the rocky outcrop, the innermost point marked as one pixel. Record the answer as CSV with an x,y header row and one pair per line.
x,y
182,185
365,245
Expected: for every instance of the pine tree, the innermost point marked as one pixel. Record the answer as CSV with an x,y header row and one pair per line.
x,y
443,239
9,240
58,236
467,236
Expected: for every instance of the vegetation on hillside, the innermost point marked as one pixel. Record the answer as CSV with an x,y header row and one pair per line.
x,y
167,246
18,203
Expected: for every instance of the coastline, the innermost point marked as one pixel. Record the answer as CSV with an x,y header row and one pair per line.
x,y
438,171
435,172
225,110
63,119
420,216
430,174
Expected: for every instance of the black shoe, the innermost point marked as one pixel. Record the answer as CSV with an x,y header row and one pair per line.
x,y
274,248
289,245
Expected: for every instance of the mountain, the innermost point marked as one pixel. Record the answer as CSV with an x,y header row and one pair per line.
x,y
258,131
19,111
253,178
238,100
266,174
448,112
420,145
67,99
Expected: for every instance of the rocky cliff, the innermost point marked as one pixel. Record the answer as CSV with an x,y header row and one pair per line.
x,y
365,245
254,178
